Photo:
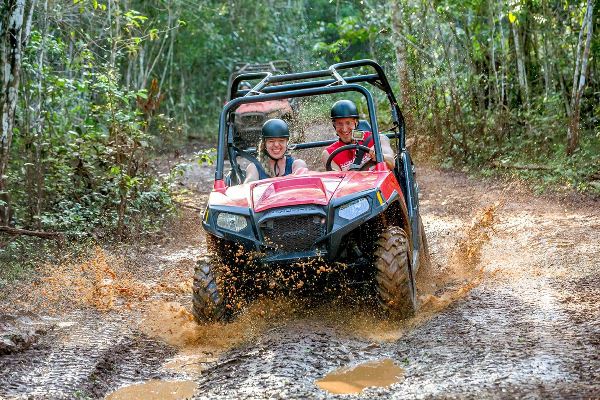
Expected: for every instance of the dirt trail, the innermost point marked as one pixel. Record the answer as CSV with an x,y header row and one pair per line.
x,y
509,308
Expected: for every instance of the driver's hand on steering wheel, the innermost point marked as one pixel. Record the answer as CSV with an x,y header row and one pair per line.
x,y
372,153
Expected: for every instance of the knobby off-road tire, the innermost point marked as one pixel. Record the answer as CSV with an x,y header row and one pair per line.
x,y
424,256
208,302
394,284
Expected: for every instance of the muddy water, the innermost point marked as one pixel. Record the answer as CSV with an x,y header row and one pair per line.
x,y
156,390
353,379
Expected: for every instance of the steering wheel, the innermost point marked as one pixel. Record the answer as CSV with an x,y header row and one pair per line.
x,y
354,166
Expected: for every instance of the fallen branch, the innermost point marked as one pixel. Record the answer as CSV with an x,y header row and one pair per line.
x,y
521,166
46,235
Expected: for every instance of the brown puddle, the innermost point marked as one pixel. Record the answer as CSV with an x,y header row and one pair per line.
x,y
155,390
354,379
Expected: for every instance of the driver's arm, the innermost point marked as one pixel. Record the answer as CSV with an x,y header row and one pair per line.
x,y
325,157
251,173
388,153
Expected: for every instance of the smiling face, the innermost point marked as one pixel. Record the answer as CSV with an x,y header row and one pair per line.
x,y
344,127
276,146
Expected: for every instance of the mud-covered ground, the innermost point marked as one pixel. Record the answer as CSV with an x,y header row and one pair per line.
x,y
510,308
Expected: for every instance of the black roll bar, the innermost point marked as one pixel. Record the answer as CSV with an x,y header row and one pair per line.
x,y
222,141
323,143
334,84
379,80
372,79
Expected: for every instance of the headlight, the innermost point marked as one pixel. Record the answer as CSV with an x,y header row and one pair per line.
x,y
354,209
231,222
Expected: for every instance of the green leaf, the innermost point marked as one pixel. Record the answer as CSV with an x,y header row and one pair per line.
x,y
95,4
512,17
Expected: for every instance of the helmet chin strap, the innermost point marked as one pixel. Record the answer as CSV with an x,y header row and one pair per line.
x,y
276,168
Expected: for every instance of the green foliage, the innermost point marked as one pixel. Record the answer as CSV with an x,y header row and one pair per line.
x,y
84,156
105,88
468,97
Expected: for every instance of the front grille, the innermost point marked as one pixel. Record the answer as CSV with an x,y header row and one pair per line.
x,y
296,233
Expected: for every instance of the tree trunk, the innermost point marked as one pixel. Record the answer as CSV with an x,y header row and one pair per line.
x,y
37,126
579,80
521,68
406,89
14,34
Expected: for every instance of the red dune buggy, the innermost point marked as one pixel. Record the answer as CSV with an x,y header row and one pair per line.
x,y
321,231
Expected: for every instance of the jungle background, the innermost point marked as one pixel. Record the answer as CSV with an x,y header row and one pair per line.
x,y
94,92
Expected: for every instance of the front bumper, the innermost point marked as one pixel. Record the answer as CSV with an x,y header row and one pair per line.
x,y
326,247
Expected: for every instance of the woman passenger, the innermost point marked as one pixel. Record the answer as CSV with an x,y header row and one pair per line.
x,y
272,153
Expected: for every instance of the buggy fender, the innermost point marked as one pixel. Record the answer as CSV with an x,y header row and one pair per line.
x,y
391,211
396,214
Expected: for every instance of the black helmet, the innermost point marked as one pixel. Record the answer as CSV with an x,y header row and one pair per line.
x,y
275,128
344,109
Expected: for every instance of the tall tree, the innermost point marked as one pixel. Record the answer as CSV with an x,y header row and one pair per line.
x,y
15,27
406,87
579,79
523,84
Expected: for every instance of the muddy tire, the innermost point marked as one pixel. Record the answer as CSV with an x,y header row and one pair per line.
x,y
393,278
424,256
208,301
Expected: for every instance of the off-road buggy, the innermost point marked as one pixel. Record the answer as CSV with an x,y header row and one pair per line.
x,y
327,231
248,117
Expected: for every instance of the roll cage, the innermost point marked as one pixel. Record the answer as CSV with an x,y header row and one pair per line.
x,y
304,84
244,68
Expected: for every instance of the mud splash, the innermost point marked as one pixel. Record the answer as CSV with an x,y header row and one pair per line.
x,y
445,282
439,286
173,324
97,278
354,379
156,390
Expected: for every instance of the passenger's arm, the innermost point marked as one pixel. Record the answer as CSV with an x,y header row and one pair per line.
x,y
298,164
251,173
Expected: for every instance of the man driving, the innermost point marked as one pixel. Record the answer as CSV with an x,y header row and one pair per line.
x,y
344,116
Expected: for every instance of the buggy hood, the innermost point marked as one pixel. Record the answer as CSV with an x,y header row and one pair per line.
x,y
307,188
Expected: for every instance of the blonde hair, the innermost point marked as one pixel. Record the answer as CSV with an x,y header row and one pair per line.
x,y
263,158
